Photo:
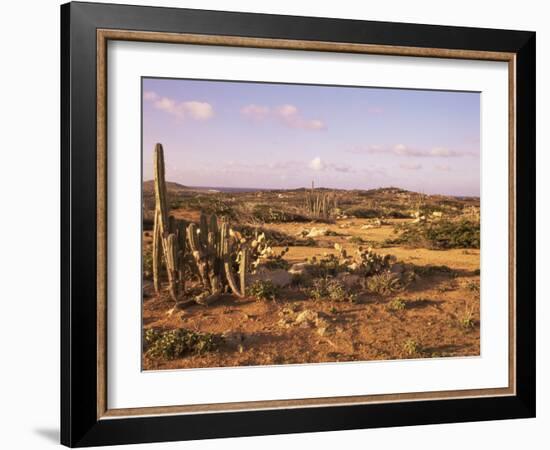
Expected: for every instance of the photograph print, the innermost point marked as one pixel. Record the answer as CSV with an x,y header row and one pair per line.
x,y
307,224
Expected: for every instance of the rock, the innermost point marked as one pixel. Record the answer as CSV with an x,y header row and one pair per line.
x,y
323,327
307,316
316,232
437,214
321,331
285,312
299,268
285,323
348,279
279,277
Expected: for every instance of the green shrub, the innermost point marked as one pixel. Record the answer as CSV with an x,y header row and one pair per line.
x,y
397,304
147,262
433,270
307,242
263,290
440,235
411,347
364,213
395,214
473,286
327,266
207,204
176,343
466,319
268,214
357,240
326,288
383,284
446,234
276,263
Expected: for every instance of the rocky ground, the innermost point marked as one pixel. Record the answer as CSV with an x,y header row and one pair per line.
x,y
434,315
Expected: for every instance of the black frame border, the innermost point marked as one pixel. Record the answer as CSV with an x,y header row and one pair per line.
x,y
79,423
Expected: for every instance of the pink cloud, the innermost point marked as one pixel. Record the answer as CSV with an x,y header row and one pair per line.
x,y
406,151
287,114
192,109
257,112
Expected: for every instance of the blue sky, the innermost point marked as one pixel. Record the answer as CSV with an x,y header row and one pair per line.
x,y
265,135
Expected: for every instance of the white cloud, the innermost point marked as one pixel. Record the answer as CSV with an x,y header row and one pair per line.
x,y
189,109
287,111
291,117
287,114
317,164
199,110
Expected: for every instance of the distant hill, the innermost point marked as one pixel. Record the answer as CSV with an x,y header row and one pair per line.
x,y
149,187
390,191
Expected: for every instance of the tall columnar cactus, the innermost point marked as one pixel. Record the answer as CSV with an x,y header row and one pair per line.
x,y
243,269
167,234
157,253
320,205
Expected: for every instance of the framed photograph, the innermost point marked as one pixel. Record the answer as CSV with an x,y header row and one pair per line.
x,y
276,224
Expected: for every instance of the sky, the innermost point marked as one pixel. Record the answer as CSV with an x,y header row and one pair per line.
x,y
283,136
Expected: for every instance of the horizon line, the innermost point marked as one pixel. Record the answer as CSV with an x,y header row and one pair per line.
x,y
309,188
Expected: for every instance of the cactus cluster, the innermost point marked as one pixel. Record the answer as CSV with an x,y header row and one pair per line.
x,y
320,205
364,262
215,249
261,252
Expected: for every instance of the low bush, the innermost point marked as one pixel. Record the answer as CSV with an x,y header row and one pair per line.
x,y
268,214
357,240
263,290
176,343
326,288
397,304
363,213
473,286
276,263
327,266
433,270
411,347
147,263
466,319
383,284
440,235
